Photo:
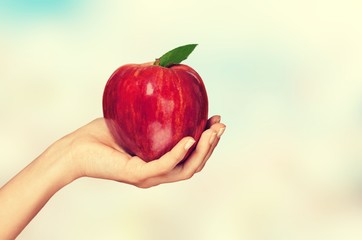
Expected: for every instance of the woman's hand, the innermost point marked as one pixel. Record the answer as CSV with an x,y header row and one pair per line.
x,y
94,153
91,151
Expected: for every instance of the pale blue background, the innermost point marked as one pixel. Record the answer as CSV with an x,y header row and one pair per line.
x,y
285,76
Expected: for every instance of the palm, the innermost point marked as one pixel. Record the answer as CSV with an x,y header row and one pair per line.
x,y
101,157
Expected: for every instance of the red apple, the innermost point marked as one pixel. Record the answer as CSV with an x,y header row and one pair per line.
x,y
149,108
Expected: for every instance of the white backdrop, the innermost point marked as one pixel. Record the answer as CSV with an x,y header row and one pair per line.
x,y
285,76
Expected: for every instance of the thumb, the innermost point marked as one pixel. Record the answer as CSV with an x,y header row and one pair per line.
x,y
168,161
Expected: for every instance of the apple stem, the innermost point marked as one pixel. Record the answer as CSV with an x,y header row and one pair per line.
x,y
157,62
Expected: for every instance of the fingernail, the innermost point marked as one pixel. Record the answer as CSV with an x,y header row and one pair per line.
x,y
189,144
212,137
221,131
218,119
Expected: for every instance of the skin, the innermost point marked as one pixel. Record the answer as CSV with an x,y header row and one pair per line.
x,y
91,151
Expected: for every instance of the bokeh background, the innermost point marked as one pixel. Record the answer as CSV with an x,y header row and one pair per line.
x,y
286,77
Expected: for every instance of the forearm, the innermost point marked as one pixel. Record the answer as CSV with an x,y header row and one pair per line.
x,y
91,151
25,195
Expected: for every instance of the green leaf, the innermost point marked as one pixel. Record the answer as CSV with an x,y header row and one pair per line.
x,y
175,56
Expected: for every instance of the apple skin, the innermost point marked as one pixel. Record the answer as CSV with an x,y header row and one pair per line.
x,y
150,108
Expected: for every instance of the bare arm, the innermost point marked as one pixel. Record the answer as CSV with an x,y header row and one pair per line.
x,y
91,151
24,195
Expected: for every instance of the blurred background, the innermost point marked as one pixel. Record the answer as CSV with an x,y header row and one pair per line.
x,y
284,75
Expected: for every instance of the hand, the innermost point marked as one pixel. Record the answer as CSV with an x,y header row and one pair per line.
x,y
94,153
91,151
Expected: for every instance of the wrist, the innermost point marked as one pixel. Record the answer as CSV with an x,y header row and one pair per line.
x,y
58,162
25,194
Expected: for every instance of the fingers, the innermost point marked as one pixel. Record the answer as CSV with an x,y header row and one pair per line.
x,y
195,162
167,169
213,120
199,154
219,130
